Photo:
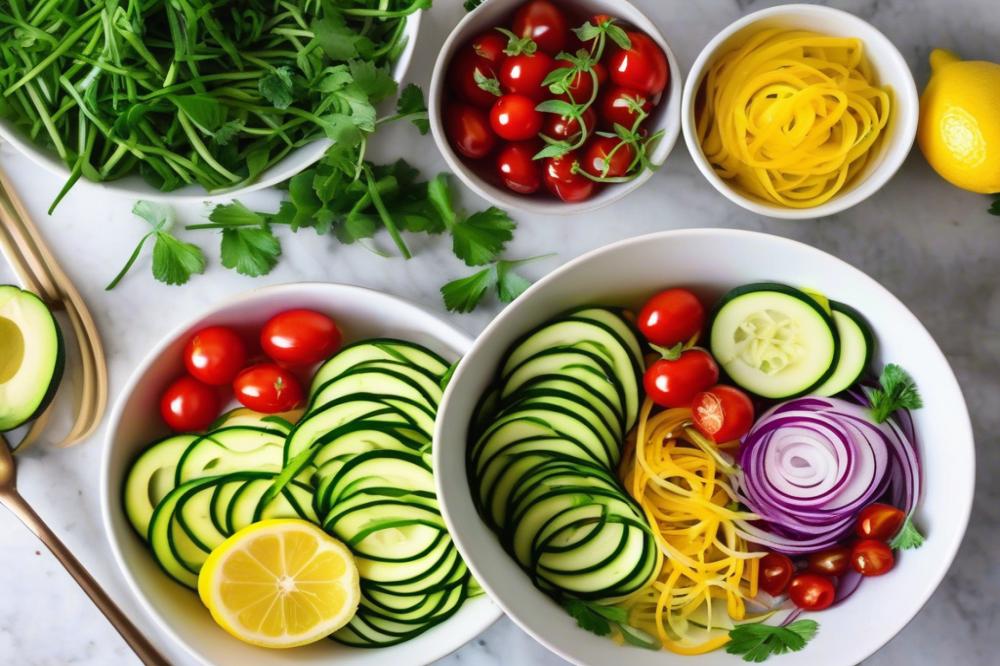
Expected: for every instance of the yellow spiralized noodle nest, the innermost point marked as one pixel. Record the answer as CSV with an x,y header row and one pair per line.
x,y
791,116
680,480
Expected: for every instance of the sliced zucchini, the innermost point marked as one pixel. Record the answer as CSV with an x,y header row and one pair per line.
x,y
150,478
774,340
857,344
379,349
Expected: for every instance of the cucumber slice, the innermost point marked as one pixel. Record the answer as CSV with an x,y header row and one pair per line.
x,y
380,349
150,478
857,344
236,449
774,340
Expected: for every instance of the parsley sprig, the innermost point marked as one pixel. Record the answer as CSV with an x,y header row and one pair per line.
x,y
174,261
897,390
757,642
602,620
908,537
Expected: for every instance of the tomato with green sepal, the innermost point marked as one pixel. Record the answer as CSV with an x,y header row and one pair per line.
x,y
524,73
518,168
812,592
544,23
581,87
300,337
514,118
607,157
830,562
622,106
675,379
642,67
268,388
871,557
879,521
468,75
774,573
215,355
562,180
490,45
189,405
569,127
722,413
670,317
468,130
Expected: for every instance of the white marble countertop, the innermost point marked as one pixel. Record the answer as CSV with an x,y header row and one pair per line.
x,y
933,246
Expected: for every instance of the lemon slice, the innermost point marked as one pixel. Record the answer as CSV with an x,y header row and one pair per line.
x,y
280,584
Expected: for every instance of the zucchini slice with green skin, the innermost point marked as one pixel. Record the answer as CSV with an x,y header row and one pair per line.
x,y
857,344
773,340
150,478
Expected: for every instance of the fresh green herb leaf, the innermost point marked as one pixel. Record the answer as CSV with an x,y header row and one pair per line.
x,y
411,105
908,538
518,45
554,149
560,108
756,642
374,81
617,35
481,237
227,132
159,216
276,87
488,83
586,618
250,251
234,215
174,261
600,620
464,294
206,112
510,285
439,194
897,391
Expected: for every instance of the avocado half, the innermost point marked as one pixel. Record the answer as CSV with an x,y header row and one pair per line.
x,y
31,357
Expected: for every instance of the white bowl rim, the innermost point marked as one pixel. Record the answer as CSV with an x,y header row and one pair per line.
x,y
907,110
108,506
963,423
670,123
134,187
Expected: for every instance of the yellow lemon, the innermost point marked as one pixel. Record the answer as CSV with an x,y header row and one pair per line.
x,y
280,584
959,131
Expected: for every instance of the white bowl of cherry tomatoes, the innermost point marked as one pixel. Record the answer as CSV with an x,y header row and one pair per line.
x,y
555,107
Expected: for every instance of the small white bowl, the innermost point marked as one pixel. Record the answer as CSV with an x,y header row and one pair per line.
x,y
890,69
135,187
360,313
628,272
666,115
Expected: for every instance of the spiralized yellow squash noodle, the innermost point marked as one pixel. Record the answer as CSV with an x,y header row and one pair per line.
x,y
708,572
790,116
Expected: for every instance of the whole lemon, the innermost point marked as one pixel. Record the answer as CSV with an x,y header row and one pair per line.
x,y
959,131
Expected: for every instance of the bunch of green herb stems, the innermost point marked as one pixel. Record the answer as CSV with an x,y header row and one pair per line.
x,y
172,89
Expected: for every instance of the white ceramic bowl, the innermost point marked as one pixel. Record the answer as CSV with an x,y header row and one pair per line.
x,y
666,115
135,187
890,69
359,313
711,261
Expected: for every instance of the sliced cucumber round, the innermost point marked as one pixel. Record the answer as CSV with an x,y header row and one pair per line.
x,y
774,340
857,344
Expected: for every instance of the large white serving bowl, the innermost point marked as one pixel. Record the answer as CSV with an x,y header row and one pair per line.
x,y
711,261
135,187
890,69
135,422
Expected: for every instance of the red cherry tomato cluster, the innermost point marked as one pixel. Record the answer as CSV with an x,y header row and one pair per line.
x,y
217,356
557,107
686,376
815,588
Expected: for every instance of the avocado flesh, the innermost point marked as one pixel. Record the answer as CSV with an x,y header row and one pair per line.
x,y
31,357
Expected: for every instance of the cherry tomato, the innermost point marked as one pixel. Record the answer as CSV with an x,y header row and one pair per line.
x,y
300,337
642,67
871,557
514,118
774,574
567,127
462,77
214,355
189,405
490,45
523,74
544,23
811,591
581,87
607,157
468,129
268,388
674,382
880,521
830,562
563,182
616,107
518,169
722,413
671,316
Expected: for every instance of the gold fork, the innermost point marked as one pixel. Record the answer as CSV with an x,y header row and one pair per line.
x,y
10,498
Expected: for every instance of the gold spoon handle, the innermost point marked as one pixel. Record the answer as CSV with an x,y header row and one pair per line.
x,y
139,644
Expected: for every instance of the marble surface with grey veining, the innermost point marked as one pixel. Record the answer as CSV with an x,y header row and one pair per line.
x,y
933,246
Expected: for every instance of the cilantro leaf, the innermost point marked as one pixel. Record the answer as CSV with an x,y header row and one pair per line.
x,y
251,251
276,87
411,104
757,642
908,537
464,294
174,261
481,237
439,194
510,285
159,216
375,82
586,618
897,391
227,132
235,214
206,112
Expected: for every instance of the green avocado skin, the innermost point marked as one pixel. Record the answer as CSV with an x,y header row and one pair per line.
x,y
45,381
